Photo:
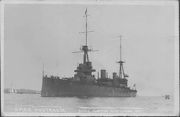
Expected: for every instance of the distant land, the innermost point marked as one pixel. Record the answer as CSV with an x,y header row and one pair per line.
x,y
21,91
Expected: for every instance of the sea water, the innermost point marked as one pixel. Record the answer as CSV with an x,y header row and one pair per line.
x,y
34,103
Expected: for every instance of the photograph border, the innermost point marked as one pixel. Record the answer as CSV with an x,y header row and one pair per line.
x,y
97,2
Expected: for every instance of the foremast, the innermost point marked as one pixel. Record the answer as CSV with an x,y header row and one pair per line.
x,y
84,70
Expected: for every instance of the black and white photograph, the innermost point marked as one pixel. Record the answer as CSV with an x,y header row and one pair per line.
x,y
89,58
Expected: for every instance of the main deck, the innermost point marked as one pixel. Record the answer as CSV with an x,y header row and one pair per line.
x,y
65,88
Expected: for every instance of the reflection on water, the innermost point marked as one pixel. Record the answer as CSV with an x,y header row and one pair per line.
x,y
36,103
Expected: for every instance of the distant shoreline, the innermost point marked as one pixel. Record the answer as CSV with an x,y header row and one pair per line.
x,y
20,91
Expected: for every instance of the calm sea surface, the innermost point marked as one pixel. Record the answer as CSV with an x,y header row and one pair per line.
x,y
35,103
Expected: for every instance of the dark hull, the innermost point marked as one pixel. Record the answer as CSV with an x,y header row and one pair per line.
x,y
64,88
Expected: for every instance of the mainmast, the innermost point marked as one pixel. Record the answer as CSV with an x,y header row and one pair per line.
x,y
121,68
120,48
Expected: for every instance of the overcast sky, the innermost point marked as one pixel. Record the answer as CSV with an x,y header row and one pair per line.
x,y
37,34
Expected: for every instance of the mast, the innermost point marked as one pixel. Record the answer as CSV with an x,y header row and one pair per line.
x,y
121,69
120,75
120,48
85,47
86,68
86,25
43,71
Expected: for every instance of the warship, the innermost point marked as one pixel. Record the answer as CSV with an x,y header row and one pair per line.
x,y
84,83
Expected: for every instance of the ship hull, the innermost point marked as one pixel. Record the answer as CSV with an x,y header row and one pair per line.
x,y
63,88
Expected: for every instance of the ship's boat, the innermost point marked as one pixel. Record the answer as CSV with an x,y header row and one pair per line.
x,y
84,83
167,97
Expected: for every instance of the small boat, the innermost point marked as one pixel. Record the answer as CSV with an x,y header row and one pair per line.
x,y
167,97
